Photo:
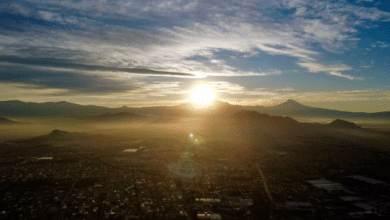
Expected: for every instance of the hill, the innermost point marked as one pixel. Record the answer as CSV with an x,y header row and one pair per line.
x,y
264,119
251,125
119,117
7,121
165,120
60,136
338,123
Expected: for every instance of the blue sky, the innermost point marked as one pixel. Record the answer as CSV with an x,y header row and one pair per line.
x,y
332,54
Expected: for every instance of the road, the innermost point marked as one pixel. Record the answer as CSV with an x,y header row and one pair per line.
x,y
70,190
266,188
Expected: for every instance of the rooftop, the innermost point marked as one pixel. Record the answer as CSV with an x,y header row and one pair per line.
x,y
366,179
130,151
45,158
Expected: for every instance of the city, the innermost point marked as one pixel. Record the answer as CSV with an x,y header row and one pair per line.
x,y
168,179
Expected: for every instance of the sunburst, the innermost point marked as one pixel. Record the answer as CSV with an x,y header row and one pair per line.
x,y
202,96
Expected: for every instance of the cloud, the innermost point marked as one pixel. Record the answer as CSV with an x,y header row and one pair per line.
x,y
17,90
334,70
146,51
286,89
73,82
227,87
17,9
380,44
93,90
75,66
345,96
227,90
331,35
49,16
239,37
160,89
316,67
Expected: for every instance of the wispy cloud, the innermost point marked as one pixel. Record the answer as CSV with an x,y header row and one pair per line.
x,y
380,44
334,70
62,64
70,82
49,16
286,89
17,90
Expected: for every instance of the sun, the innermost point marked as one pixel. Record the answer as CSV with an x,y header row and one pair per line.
x,y
202,96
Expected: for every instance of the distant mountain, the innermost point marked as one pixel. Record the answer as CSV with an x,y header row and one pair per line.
x,y
295,109
327,113
283,108
288,106
338,123
263,119
165,111
26,109
217,109
7,121
165,120
119,117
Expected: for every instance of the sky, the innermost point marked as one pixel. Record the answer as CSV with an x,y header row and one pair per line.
x,y
329,54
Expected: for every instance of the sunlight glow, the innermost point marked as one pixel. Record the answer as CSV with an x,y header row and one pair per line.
x,y
202,96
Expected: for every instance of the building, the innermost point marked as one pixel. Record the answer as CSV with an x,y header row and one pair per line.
x,y
213,216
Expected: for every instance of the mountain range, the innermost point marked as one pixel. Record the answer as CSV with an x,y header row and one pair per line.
x,y
290,108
